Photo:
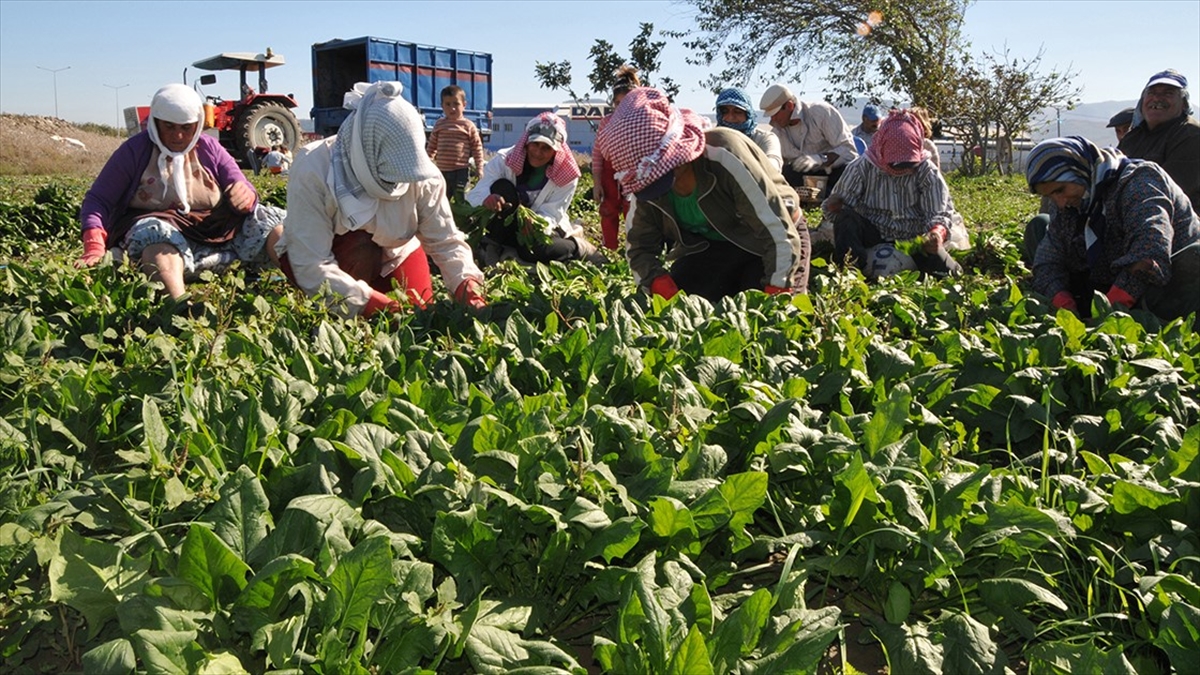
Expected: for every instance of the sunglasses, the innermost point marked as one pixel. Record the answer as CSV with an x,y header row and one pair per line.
x,y
901,166
547,130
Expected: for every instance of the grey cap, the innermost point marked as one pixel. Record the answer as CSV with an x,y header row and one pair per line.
x,y
1121,119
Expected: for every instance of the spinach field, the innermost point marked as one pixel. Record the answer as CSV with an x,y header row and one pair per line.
x,y
582,478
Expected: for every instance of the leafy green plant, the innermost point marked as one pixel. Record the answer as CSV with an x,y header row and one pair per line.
x,y
52,215
583,478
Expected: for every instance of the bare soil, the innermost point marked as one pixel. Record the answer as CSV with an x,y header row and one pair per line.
x,y
28,147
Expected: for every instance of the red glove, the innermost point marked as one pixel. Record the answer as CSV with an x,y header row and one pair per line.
x,y
469,295
775,290
934,239
664,287
494,202
1118,296
380,302
1064,300
94,245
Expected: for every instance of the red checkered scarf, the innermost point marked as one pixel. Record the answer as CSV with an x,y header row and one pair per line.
x,y
647,137
563,169
899,139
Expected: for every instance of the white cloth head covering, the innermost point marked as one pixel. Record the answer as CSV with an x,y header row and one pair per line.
x,y
178,104
379,150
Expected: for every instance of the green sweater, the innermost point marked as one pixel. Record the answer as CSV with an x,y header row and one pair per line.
x,y
744,198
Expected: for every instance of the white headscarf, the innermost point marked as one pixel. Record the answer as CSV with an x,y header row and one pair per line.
x,y
380,149
178,104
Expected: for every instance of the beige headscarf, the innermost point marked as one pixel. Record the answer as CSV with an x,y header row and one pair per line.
x,y
178,104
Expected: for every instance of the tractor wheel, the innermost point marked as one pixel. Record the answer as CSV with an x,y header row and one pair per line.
x,y
267,124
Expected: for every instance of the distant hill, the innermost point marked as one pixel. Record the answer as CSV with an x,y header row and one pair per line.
x,y
1088,120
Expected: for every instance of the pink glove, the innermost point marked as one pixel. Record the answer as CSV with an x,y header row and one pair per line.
x,y
1118,296
775,290
469,295
94,245
664,287
380,302
1064,300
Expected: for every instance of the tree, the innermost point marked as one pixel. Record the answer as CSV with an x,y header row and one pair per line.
x,y
906,48
1000,95
643,53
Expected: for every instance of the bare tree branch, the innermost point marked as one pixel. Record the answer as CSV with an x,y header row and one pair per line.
x,y
907,49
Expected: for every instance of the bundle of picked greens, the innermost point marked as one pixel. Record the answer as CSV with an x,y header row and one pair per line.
x,y
910,247
471,220
475,220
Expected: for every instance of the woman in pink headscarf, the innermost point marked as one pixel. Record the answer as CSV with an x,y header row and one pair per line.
x,y
711,197
894,193
540,173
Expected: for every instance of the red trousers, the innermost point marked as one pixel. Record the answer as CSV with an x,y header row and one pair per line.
x,y
362,259
612,207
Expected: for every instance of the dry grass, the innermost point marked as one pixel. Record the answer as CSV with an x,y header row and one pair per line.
x,y
27,147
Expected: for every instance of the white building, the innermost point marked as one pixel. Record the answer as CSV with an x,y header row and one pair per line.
x,y
582,118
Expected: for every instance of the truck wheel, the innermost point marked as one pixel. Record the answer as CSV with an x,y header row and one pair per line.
x,y
267,124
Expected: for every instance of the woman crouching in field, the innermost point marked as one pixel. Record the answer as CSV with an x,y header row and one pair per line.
x,y
540,173
712,199
175,201
367,205
1123,228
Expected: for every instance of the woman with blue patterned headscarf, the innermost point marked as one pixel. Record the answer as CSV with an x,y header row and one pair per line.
x,y
735,111
1122,228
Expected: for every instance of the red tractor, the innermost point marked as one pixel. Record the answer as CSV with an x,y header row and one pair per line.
x,y
257,120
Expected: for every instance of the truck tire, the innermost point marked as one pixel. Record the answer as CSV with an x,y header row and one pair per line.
x,y
267,124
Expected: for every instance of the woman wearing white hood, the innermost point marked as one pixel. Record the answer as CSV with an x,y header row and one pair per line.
x,y
366,205
175,201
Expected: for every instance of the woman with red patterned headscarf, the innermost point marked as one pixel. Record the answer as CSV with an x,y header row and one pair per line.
x,y
711,197
540,173
605,190
894,193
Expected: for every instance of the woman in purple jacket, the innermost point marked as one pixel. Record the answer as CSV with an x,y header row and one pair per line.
x,y
174,200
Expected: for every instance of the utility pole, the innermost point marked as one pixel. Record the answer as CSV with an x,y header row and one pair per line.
x,y
117,93
55,72
1058,122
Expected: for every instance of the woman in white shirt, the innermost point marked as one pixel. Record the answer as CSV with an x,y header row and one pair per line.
x,y
367,205
540,173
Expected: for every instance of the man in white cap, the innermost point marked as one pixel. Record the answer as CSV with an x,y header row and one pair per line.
x,y
1164,132
814,138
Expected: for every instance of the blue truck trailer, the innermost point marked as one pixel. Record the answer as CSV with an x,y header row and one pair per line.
x,y
423,70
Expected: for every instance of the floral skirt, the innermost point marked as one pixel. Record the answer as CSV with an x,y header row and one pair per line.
x,y
248,245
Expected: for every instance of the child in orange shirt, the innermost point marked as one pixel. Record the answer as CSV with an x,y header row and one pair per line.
x,y
454,141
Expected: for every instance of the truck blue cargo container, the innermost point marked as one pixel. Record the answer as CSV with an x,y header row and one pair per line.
x,y
423,70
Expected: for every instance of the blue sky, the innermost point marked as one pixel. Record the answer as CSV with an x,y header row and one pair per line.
x,y
116,56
